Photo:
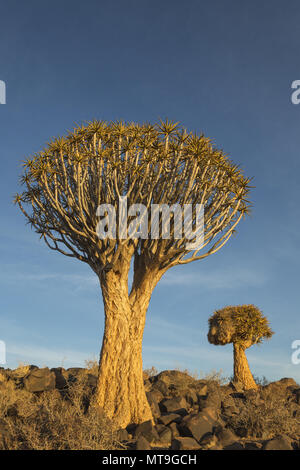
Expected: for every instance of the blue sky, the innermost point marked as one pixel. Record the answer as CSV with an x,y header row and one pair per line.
x,y
221,67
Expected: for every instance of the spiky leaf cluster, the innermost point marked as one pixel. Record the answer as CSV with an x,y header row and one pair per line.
x,y
150,164
244,323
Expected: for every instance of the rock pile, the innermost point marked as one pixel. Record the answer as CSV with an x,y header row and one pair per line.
x,y
202,414
35,379
192,414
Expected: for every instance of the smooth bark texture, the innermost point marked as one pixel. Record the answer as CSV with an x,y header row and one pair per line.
x,y
242,372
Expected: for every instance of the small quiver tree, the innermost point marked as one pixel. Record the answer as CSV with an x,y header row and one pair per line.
x,y
242,325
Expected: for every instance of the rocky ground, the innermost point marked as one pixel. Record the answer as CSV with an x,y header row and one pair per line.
x,y
202,414
189,414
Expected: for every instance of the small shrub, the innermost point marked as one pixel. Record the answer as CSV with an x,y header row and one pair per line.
x,y
262,381
151,372
215,376
265,415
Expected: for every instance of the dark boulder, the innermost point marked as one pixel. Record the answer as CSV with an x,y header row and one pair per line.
x,y
176,405
147,430
122,435
196,426
225,436
142,444
39,380
169,418
165,436
152,400
162,387
185,443
60,381
278,443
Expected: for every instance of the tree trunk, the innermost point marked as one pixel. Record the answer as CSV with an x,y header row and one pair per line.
x,y
120,389
242,373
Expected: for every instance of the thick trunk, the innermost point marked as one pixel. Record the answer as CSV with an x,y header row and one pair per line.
x,y
120,389
242,373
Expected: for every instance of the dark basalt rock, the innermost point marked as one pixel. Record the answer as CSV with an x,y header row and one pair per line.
x,y
39,380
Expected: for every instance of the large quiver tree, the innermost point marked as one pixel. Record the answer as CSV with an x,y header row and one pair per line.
x,y
150,164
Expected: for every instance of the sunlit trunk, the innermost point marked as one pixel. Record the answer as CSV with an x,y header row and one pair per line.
x,y
242,372
120,390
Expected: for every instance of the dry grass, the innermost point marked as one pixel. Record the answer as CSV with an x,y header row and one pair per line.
x,y
52,420
215,376
92,366
70,419
266,418
151,372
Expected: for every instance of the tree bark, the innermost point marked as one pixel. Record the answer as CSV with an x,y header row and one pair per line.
x,y
242,372
120,389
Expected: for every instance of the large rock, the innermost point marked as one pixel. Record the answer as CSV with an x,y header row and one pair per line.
x,y
155,395
253,445
22,371
175,378
225,436
151,397
173,382
18,375
169,418
40,380
60,381
212,400
209,441
213,415
147,430
278,443
165,436
281,386
176,405
191,397
196,426
174,429
73,373
122,435
287,382
185,443
234,446
161,387
76,370
142,444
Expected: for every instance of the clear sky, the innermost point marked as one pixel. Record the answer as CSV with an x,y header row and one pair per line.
x,y
221,67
